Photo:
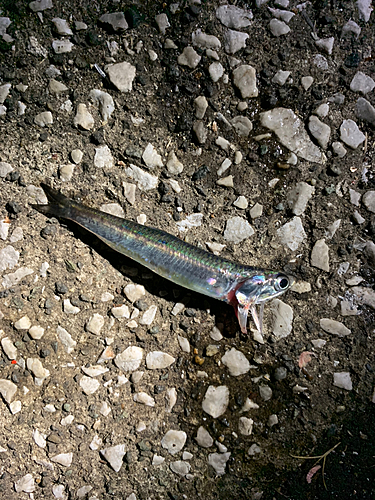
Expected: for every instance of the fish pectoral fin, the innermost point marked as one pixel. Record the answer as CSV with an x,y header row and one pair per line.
x,y
242,314
258,320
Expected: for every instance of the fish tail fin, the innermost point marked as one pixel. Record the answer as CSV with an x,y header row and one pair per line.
x,y
59,206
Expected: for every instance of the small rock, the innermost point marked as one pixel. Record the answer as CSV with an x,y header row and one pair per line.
x,y
365,296
121,75
234,41
113,209
225,181
272,420
174,166
282,316
76,156
23,323
362,83
62,46
203,438
299,196
115,20
104,102
216,71
242,125
144,398
281,77
103,157
321,62
348,308
322,110
320,131
205,41
121,312
148,316
44,119
256,211
306,82
278,28
130,359
236,362
241,202
56,87
224,167
180,467
216,400
334,327
283,15
83,118
184,344
151,158
292,233
26,484
66,340
89,385
114,456
144,180
200,131
364,110
174,441
234,17
331,229
7,390
62,27
338,149
351,27
5,169
66,172
64,459
171,399
94,371
69,308
134,292
95,324
237,229
265,392
40,5
244,78
245,426
158,360
162,22
326,44
39,438
368,199
320,255
350,134
189,58
9,348
218,461
343,380
201,105
157,460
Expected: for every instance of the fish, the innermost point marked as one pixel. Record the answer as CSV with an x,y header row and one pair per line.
x,y
242,286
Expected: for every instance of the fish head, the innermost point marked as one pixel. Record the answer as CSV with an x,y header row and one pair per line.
x,y
257,290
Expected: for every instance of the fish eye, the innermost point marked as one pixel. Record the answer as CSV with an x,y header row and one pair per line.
x,y
282,283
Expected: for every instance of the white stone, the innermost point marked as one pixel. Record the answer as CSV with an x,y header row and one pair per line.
x,y
12,279
121,75
162,22
224,166
144,180
281,77
116,21
348,308
62,27
39,438
174,441
189,58
236,362
64,459
326,44
69,308
351,27
334,327
103,157
218,461
283,15
365,296
265,392
151,158
301,287
362,83
44,119
201,105
343,380
94,370
56,87
130,359
299,196
76,156
205,41
121,312
203,438
5,169
134,292
245,426
95,324
114,456
7,390
157,360
234,41
364,9
26,484
174,166
157,460
216,400
278,28
129,192
350,134
171,399
66,340
282,318
66,172
234,17
242,125
23,323
89,385
62,46
40,5
368,199
306,82
113,209
67,420
291,133
338,149
241,202
331,229
292,233
144,398
237,229
9,348
320,255
226,181
104,101
15,407
320,131
215,247
320,62
216,71
148,316
364,110
244,78
83,118
180,467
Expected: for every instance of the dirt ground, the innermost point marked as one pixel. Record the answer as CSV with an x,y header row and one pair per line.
x,y
313,415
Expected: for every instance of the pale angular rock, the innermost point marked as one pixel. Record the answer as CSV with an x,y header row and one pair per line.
x,y
189,58
201,105
203,438
281,77
283,15
8,258
282,318
292,234
40,5
326,44
334,327
151,158
351,27
5,169
89,385
368,199
174,166
331,229
66,340
76,156
144,180
9,348
104,102
66,172
4,91
56,87
114,456
320,131
121,75
121,312
23,323
241,203
157,360
95,324
180,467
256,211
224,166
291,133
364,10
69,308
62,46
83,118
265,392
338,149
171,399
301,287
12,279
144,398
192,220
278,28
94,371
157,460
216,71
322,110
365,296
129,192
218,461
362,83
34,48
306,82
205,41
364,110
103,157
234,17
134,292
299,196
162,22
44,119
245,426
216,400
226,181
174,441
35,366
130,359
148,316
350,134
242,125
234,41
113,209
321,62
115,20
26,484
348,308
320,255
237,229
342,380
39,438
236,362
62,26
244,78
7,390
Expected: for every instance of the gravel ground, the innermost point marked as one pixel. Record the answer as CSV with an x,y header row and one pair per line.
x,y
247,130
